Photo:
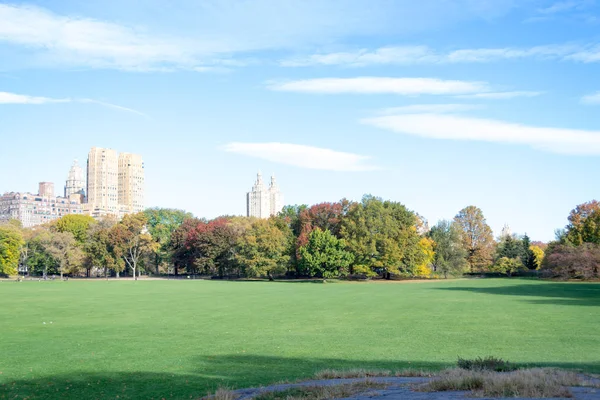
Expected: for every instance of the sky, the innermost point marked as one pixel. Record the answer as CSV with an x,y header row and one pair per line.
x,y
437,104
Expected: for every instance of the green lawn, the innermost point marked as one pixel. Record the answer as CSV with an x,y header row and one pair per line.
x,y
180,339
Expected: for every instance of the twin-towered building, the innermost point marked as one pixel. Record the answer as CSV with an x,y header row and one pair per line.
x,y
263,202
114,186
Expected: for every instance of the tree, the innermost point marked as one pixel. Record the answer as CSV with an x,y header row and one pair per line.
x,y
131,241
528,257
507,266
99,249
476,237
423,270
64,250
584,225
538,256
510,247
262,249
209,247
77,224
162,222
450,258
567,262
11,241
383,237
324,255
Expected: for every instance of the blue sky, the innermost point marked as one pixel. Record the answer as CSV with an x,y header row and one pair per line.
x,y
438,104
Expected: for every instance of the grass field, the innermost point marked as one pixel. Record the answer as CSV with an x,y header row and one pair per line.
x,y
181,339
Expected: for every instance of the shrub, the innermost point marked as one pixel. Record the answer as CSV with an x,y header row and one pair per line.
x,y
485,364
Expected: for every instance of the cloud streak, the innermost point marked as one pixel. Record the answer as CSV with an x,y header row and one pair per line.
x,y
381,85
303,156
453,127
13,98
417,55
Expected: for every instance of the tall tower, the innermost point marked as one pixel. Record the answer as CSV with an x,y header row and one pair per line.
x,y
75,183
131,182
257,200
102,181
275,198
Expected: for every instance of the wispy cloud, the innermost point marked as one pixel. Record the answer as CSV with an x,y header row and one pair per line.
x,y
452,127
563,6
412,55
430,108
303,156
372,85
500,95
13,98
593,98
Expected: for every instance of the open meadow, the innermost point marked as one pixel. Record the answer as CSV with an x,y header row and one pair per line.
x,y
182,339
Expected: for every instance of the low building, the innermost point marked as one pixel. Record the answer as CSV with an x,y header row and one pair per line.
x,y
37,209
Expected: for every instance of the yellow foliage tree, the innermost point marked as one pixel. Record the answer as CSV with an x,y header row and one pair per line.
x,y
423,269
538,255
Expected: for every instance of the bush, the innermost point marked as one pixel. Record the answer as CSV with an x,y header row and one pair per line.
x,y
568,262
485,364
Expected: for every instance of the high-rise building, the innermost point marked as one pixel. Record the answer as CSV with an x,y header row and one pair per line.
x,y
131,183
262,202
275,197
75,183
102,182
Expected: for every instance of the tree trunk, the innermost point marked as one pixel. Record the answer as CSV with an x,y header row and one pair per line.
x,y
134,268
61,272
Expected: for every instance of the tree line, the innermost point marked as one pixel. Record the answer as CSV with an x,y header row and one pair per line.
x,y
355,240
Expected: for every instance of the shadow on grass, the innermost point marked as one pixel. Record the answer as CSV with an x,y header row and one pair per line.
x,y
205,376
573,294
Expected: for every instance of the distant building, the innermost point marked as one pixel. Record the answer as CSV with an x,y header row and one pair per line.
x,y
75,183
131,183
102,182
36,209
262,202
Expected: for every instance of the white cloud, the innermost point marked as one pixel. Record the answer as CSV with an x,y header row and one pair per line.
x,y
563,6
430,108
412,55
500,95
197,33
13,98
303,156
591,98
451,127
370,85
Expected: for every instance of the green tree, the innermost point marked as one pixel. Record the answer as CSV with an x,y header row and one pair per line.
x,y
528,256
76,224
262,249
450,258
64,250
99,249
11,242
324,255
162,222
383,237
584,225
510,247
476,237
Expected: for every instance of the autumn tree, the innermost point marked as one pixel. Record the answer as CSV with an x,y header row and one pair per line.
x,y
131,240
99,249
11,241
566,261
450,257
476,237
383,237
261,249
538,256
584,224
508,266
325,255
208,247
423,270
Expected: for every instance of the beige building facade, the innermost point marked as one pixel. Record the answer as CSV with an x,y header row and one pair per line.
x,y
263,202
131,183
102,182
